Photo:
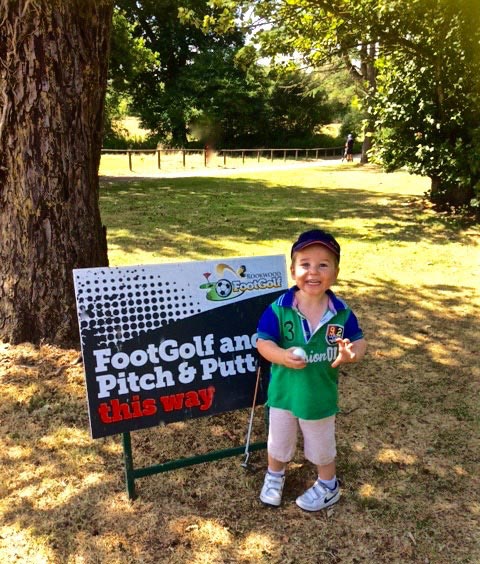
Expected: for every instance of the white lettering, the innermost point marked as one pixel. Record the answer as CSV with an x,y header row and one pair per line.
x,y
105,385
120,360
138,358
329,356
100,357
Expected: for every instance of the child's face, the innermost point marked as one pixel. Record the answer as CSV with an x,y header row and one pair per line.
x,y
314,269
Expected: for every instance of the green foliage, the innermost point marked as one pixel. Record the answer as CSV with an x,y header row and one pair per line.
x,y
352,123
427,105
130,58
165,95
340,88
194,87
417,63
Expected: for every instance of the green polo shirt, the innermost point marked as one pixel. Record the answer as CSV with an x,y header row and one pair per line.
x,y
310,393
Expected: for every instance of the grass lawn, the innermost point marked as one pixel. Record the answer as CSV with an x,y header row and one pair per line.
x,y
408,435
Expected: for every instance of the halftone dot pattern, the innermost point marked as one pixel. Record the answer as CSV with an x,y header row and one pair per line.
x,y
120,304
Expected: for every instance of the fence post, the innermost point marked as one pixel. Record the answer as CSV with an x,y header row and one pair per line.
x,y
319,152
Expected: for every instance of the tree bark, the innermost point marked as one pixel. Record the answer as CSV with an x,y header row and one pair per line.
x,y
366,145
446,196
366,76
53,69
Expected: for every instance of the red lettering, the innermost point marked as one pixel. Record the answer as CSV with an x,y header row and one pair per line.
x,y
191,399
149,407
203,399
120,411
173,402
114,411
104,412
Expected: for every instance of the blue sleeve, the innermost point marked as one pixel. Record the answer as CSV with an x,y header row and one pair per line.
x,y
268,326
352,329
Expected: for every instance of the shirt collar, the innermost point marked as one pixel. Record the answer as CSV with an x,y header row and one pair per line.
x,y
334,303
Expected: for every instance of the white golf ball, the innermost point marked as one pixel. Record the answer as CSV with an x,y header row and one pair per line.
x,y
300,353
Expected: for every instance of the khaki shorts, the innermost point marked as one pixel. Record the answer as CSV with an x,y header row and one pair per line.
x,y
318,437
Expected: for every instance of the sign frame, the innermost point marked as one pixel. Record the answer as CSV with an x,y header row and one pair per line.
x,y
128,362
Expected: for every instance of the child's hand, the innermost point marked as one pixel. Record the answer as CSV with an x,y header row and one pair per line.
x,y
345,353
292,360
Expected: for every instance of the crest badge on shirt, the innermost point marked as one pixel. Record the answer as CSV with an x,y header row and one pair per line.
x,y
334,332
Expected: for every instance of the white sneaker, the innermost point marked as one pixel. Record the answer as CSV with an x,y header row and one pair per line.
x,y
318,497
272,489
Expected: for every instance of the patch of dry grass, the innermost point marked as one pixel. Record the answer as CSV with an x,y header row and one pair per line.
x,y
408,435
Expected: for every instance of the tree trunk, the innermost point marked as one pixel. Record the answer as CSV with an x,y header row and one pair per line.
x,y
179,134
53,68
365,75
366,146
446,196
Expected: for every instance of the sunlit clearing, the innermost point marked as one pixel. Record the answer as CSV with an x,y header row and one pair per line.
x,y
442,355
112,447
367,490
93,478
55,492
24,547
66,436
51,493
178,425
358,446
474,508
212,555
406,340
209,532
389,456
120,505
255,546
16,452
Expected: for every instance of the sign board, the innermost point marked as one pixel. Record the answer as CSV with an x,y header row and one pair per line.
x,y
169,342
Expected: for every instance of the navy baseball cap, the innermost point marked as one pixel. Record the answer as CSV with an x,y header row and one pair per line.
x,y
316,237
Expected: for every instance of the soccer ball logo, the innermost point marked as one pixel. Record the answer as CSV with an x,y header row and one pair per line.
x,y
223,287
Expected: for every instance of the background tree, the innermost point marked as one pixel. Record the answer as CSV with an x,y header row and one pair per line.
x,y
163,95
428,102
207,87
250,105
53,72
299,104
318,33
129,59
415,46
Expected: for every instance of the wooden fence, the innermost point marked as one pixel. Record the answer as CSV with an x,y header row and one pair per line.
x,y
207,155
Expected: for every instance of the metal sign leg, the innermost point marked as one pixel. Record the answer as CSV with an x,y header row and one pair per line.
x,y
128,460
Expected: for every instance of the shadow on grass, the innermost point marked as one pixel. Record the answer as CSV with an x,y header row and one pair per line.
x,y
191,217
407,457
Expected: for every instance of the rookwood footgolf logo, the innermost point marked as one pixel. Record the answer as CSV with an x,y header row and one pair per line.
x,y
243,281
159,345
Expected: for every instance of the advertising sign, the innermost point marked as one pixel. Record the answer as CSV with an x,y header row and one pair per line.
x,y
169,342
